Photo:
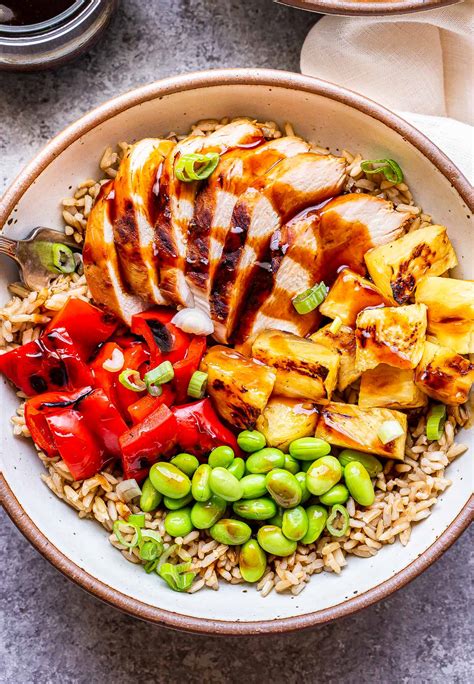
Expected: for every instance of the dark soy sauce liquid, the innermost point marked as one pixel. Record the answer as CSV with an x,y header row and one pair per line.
x,y
25,12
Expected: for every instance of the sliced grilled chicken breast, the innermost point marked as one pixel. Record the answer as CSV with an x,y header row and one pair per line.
x,y
296,183
101,263
136,189
215,203
176,204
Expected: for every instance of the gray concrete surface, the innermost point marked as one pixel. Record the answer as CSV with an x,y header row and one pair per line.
x,y
53,632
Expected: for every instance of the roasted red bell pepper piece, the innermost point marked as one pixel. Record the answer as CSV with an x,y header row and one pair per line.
x,y
200,429
165,341
104,378
147,404
184,369
87,325
146,442
50,363
135,358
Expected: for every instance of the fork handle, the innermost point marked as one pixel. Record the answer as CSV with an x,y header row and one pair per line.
x,y
8,247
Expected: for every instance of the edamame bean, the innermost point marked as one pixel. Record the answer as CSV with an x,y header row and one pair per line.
x,y
204,514
255,509
305,494
253,486
306,465
237,468
309,448
225,485
169,480
178,523
252,561
336,495
295,523
283,487
317,516
176,504
200,483
278,518
186,462
359,483
323,474
272,540
221,457
231,532
150,497
372,465
291,464
265,460
251,440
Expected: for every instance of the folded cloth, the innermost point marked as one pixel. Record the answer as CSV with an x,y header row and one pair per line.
x,y
421,65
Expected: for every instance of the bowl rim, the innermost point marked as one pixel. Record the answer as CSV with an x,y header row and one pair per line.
x,y
363,8
196,81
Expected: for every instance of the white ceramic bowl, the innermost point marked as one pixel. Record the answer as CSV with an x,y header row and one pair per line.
x,y
326,115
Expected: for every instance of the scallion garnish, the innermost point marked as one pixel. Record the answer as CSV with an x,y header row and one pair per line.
x,y
150,550
197,385
137,519
63,258
388,167
335,325
336,511
156,377
310,299
131,380
136,539
435,422
195,167
178,576
390,430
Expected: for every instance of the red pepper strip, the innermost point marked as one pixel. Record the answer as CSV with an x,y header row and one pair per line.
x,y
147,404
50,363
165,341
200,429
184,369
104,378
148,441
87,325
135,356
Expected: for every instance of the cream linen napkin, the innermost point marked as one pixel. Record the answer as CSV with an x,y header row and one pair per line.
x,y
420,65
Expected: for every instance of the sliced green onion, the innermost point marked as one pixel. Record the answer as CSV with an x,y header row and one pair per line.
x,y
178,576
435,422
310,299
131,380
338,510
158,376
197,385
150,566
390,430
136,537
155,390
166,554
63,258
151,534
137,519
335,325
388,167
150,550
195,167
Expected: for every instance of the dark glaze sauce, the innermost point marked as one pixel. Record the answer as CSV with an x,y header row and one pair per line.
x,y
27,12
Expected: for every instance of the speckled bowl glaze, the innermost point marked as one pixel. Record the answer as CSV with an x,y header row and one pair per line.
x,y
325,114
367,7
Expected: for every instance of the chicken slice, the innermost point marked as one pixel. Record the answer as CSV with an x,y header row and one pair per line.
x,y
136,188
302,181
176,204
101,263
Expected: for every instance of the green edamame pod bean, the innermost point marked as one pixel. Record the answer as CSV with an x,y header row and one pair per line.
x,y
317,516
323,474
150,497
265,460
309,448
305,495
221,457
295,523
336,495
204,514
237,468
272,540
200,483
359,483
278,518
169,480
176,504
372,465
225,485
253,486
251,440
231,532
178,523
252,561
255,509
186,462
283,487
291,464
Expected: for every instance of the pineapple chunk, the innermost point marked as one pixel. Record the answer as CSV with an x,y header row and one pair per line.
x,y
389,387
350,294
344,343
240,387
351,427
304,370
285,420
444,375
450,305
392,335
397,266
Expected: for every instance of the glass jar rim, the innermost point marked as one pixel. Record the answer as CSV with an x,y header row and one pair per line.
x,y
27,29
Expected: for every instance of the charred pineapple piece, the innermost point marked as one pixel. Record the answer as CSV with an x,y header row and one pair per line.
x,y
392,335
344,343
397,266
285,420
444,375
450,305
303,368
389,387
350,294
239,387
352,427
